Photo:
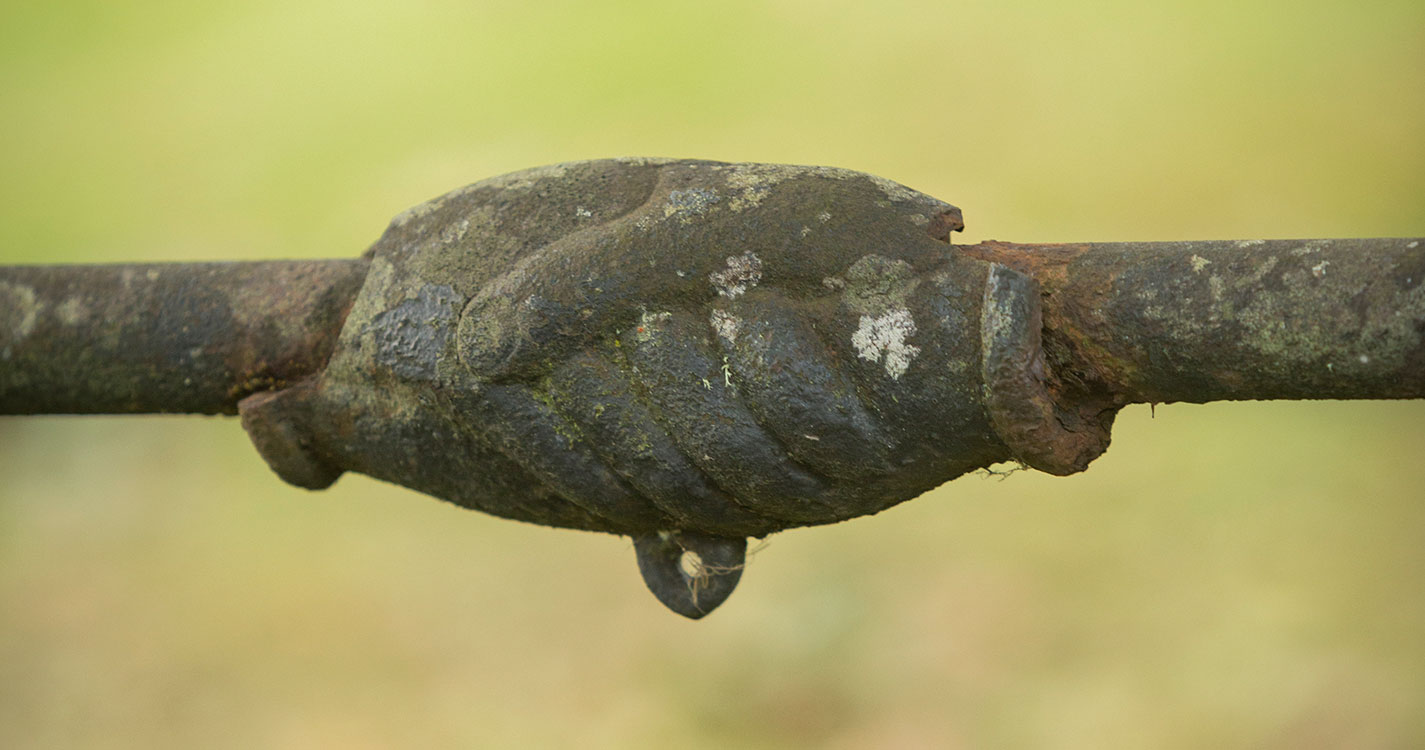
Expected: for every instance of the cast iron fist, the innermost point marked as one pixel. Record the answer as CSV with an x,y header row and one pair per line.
x,y
689,353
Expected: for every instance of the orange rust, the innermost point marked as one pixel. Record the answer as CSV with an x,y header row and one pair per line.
x,y
945,222
1079,375
1077,363
1045,429
1047,263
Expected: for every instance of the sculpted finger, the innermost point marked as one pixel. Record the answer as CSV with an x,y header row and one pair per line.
x,y
598,396
791,383
527,428
696,401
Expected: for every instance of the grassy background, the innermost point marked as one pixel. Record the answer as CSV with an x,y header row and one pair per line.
x,y
1240,575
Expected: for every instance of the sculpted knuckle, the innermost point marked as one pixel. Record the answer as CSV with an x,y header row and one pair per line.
x,y
729,349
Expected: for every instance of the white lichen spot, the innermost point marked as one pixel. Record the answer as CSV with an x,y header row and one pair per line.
x,y
1311,246
195,352
685,204
72,311
151,274
754,182
824,217
644,161
1249,243
896,191
583,213
726,324
648,323
752,186
454,233
521,180
420,211
1319,270
1199,263
1414,245
1261,271
805,231
1365,360
18,308
1217,287
919,220
742,273
882,339
834,283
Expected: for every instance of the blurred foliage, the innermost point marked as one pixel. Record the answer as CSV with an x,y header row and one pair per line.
x,y
1235,575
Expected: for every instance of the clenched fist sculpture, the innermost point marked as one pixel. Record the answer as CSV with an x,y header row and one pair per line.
x,y
686,352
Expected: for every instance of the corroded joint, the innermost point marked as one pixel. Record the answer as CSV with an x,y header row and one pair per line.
x,y
691,353
684,352
1226,320
1016,376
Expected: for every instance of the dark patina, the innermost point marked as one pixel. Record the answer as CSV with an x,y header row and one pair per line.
x,y
691,353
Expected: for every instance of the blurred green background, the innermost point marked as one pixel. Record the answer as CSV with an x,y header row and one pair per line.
x,y
1236,575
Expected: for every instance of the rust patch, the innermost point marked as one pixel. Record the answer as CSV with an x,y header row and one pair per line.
x,y
945,222
1046,263
1045,429
1082,375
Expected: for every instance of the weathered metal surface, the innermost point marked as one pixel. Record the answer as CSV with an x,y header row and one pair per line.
x,y
690,573
691,353
1051,431
1232,320
173,337
659,349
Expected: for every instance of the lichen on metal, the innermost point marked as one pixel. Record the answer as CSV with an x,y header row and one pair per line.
x,y
691,353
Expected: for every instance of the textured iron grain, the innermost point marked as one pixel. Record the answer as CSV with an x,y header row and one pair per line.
x,y
172,337
1230,320
690,353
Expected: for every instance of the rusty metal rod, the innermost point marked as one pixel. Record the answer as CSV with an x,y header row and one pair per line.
x,y
1244,320
169,337
691,353
1132,322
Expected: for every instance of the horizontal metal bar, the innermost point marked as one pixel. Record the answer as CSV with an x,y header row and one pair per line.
x,y
1229,320
175,337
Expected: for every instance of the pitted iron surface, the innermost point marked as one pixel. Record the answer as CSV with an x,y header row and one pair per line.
x,y
691,353
660,347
